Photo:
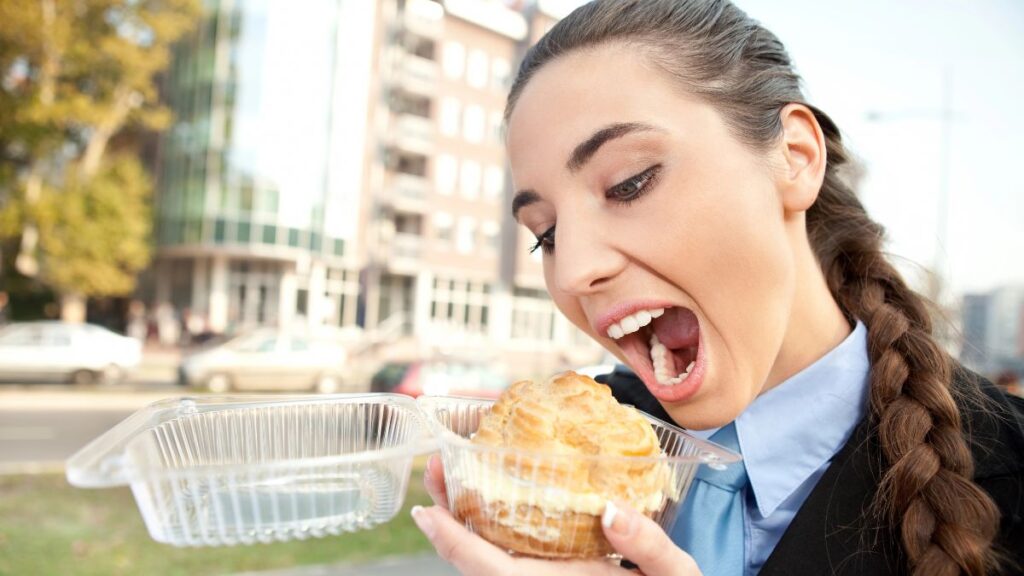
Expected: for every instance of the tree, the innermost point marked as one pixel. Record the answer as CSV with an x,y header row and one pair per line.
x,y
77,76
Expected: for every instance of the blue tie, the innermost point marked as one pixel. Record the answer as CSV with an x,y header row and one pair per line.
x,y
710,522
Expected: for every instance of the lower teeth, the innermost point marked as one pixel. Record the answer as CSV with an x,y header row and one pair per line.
x,y
659,357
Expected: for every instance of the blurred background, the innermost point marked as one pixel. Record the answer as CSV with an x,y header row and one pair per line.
x,y
259,195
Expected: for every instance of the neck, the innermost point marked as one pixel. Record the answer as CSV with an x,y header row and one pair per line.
x,y
816,323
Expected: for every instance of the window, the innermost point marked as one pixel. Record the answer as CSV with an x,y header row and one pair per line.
x,y
443,223
22,336
476,69
533,316
494,182
445,167
454,60
469,179
494,128
489,235
473,124
464,241
500,72
342,294
461,306
449,117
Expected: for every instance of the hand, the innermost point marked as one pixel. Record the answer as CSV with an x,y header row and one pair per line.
x,y
633,535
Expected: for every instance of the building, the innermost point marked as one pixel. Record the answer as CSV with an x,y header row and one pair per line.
x,y
993,330
342,165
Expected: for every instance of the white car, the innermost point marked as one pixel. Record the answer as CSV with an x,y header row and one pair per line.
x,y
78,353
267,359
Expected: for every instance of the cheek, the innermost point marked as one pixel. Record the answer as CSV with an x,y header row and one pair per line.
x,y
727,249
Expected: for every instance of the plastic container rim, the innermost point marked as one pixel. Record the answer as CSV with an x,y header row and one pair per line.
x,y
101,462
708,452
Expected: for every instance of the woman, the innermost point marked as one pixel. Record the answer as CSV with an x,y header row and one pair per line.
x,y
665,158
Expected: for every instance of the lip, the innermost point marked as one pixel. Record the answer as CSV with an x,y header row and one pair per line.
x,y
623,309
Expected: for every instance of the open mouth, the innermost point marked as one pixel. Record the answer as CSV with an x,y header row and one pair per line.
x,y
663,347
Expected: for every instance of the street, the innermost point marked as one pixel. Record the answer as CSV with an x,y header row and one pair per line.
x,y
41,425
50,436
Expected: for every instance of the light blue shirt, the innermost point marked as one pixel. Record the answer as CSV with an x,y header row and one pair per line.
x,y
788,436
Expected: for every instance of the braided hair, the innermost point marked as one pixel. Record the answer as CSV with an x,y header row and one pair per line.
x,y
946,523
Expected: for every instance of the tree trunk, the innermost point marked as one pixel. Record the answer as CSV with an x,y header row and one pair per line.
x,y
125,100
26,261
72,308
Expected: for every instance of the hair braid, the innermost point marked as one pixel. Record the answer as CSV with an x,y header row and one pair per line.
x,y
947,523
715,51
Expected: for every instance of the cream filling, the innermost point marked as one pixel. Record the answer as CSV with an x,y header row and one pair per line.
x,y
495,485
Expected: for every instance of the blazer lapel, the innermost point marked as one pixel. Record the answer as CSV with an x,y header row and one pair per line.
x,y
835,532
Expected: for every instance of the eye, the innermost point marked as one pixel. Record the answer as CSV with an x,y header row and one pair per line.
x,y
545,241
633,187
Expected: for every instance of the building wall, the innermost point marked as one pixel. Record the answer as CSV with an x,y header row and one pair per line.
x,y
344,164
994,330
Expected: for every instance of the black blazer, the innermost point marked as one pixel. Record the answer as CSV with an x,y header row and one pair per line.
x,y
834,532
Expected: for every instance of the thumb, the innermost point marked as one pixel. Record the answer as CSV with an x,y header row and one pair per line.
x,y
643,542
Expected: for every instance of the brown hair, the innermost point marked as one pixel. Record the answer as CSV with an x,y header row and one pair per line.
x,y
714,50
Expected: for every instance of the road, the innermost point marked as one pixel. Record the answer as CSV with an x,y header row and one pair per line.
x,y
42,425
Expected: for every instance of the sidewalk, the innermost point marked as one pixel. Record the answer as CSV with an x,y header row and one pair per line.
x,y
420,565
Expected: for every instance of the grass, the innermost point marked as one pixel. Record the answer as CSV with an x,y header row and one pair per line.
x,y
49,527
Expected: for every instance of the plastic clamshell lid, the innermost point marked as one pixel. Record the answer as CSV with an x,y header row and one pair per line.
x,y
101,463
440,409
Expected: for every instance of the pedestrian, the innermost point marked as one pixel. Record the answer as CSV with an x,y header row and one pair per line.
x,y
691,210
1009,381
4,313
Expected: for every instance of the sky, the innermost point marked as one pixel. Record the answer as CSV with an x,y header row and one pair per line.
x,y
884,70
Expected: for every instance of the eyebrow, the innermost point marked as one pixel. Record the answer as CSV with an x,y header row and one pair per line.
x,y
582,154
585,150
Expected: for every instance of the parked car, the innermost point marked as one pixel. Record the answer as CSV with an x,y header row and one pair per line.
x,y
439,377
267,359
77,353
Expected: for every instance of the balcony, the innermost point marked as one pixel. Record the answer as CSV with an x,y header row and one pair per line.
x,y
423,17
406,193
404,252
412,133
416,74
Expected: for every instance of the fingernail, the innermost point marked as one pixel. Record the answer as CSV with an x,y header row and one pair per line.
x,y
617,520
423,521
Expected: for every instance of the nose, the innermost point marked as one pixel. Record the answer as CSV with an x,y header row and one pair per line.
x,y
585,257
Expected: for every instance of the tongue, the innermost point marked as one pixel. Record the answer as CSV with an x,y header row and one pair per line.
x,y
677,328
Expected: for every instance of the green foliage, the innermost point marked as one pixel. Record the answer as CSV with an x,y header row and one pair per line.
x,y
94,233
77,79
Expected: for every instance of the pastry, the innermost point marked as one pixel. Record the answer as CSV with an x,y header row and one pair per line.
x,y
544,461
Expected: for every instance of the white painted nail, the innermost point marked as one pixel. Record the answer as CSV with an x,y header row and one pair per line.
x,y
608,517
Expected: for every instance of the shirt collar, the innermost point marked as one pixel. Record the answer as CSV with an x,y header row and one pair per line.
x,y
784,437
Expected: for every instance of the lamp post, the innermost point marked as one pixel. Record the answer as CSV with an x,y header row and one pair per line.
x,y
944,115
937,279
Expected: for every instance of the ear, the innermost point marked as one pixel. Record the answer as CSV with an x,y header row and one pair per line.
x,y
804,158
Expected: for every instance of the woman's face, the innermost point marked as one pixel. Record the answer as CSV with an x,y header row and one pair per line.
x,y
665,238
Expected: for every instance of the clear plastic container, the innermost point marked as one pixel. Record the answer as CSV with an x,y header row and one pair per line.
x,y
238,470
525,501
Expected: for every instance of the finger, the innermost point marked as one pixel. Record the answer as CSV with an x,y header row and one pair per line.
x,y
469,553
640,539
433,480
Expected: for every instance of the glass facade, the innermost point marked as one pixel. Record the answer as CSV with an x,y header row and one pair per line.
x,y
247,161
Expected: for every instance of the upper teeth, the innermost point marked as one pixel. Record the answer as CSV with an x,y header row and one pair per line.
x,y
633,322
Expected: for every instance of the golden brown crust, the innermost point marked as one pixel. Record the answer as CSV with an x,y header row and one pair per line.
x,y
570,415
574,535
